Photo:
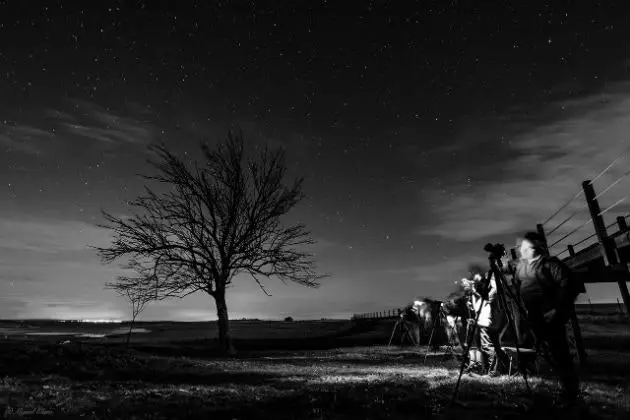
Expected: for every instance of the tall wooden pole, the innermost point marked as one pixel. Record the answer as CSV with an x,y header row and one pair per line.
x,y
607,245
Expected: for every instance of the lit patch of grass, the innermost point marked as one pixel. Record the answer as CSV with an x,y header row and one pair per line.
x,y
345,379
358,383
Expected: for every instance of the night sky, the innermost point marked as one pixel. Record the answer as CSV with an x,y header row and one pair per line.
x,y
424,129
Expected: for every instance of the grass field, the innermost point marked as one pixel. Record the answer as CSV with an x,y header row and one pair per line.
x,y
299,370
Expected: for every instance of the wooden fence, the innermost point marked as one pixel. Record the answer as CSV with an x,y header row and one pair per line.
x,y
392,313
610,249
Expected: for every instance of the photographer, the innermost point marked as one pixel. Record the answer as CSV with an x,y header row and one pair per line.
x,y
412,316
545,290
483,300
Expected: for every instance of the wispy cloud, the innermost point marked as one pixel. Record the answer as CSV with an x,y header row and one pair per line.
x,y
84,120
55,114
24,138
93,133
49,235
92,121
544,168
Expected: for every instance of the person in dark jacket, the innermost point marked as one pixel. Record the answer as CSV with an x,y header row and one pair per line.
x,y
544,289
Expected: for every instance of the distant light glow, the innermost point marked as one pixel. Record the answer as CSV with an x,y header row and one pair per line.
x,y
102,321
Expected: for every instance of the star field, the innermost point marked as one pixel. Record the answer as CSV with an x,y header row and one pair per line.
x,y
399,115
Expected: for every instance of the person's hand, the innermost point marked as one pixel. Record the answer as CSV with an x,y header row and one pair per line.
x,y
551,315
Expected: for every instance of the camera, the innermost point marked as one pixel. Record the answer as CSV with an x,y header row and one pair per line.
x,y
496,251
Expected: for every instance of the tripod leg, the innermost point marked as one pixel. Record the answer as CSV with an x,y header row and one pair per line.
x,y
405,333
451,333
426,354
466,356
393,332
465,359
503,303
408,335
414,333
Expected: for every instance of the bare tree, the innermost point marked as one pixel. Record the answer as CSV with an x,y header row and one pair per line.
x,y
219,219
137,292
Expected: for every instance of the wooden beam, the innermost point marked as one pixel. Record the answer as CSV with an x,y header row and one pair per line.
x,y
610,274
584,256
593,253
621,238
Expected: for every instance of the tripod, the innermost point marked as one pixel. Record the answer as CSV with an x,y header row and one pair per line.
x,y
470,335
402,323
440,319
496,252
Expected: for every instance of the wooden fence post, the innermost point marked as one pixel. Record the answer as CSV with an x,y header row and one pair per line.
x,y
608,247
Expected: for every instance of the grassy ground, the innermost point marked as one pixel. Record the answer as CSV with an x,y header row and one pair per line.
x,y
183,380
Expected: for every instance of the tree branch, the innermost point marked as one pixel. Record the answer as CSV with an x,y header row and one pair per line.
x,y
218,219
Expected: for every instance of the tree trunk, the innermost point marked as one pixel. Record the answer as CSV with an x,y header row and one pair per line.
x,y
129,333
225,340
